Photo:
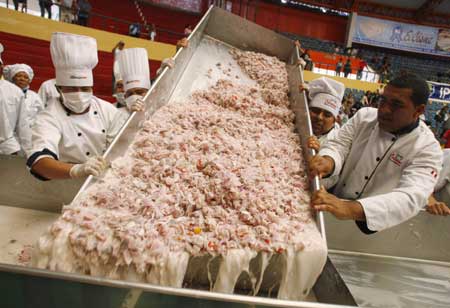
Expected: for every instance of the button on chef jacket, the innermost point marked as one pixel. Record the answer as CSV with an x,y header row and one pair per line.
x,y
74,138
392,176
15,134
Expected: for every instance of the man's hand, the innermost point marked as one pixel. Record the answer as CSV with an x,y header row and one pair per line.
x,y
321,165
182,43
438,208
303,87
341,209
313,143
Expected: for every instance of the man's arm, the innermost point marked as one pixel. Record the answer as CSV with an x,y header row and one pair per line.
x,y
52,169
338,145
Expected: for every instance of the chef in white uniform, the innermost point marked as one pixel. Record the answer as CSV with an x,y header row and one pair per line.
x,y
15,134
135,71
439,201
22,76
387,160
119,93
47,91
72,133
325,102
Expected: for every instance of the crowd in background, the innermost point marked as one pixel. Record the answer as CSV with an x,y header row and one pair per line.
x,y
71,11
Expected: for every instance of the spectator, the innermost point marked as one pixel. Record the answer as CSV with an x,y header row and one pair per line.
x,y
441,117
362,65
135,30
46,5
339,67
23,5
84,11
347,68
187,30
337,49
365,99
66,12
307,58
152,32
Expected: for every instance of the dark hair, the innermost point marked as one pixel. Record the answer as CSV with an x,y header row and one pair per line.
x,y
419,87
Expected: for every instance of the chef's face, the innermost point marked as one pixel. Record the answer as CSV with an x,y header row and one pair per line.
x,y
67,89
136,91
322,121
119,87
396,109
21,80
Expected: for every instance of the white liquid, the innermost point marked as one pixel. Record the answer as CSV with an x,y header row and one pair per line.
x,y
233,264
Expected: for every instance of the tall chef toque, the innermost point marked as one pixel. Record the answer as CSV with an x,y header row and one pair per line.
x,y
327,94
133,63
74,57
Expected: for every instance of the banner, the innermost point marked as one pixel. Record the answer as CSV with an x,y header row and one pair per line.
x,y
440,91
398,35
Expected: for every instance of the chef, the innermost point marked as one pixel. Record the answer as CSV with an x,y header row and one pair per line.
x,y
22,75
439,201
15,134
387,160
47,91
325,102
71,134
134,68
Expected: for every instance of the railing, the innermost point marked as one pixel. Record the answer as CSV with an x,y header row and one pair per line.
x,y
330,69
107,23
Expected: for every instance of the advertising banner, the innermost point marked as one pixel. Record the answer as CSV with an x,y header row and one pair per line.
x,y
398,35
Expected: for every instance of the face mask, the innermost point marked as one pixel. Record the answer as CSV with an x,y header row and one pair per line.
x,y
77,102
120,97
131,99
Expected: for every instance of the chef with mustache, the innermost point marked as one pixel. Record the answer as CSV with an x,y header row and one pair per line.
x,y
387,160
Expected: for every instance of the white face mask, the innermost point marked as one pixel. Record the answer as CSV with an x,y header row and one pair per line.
x,y
131,99
120,97
77,102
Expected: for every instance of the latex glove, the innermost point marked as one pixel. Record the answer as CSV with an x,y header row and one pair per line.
x,y
168,62
93,166
135,104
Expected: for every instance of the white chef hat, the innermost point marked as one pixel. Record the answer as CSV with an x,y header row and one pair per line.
x,y
133,63
74,57
1,51
327,94
9,71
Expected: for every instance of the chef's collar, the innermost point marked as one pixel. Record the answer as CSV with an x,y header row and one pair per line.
x,y
407,129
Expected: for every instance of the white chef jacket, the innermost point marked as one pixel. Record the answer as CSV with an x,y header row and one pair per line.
x,y
34,105
392,176
47,91
74,138
15,133
330,181
442,189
